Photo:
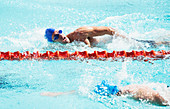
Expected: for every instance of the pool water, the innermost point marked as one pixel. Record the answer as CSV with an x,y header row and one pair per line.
x,y
23,24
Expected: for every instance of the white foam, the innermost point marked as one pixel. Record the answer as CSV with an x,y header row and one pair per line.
x,y
28,40
138,26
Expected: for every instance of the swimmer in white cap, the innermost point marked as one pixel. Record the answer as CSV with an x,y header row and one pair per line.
x,y
86,34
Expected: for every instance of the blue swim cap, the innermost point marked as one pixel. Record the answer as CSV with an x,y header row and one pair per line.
x,y
106,89
48,34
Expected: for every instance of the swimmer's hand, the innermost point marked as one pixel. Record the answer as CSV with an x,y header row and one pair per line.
x,y
54,94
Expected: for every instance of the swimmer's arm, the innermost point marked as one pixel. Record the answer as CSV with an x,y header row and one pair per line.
x,y
115,33
93,31
87,42
102,30
54,94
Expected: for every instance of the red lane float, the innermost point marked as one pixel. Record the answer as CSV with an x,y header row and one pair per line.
x,y
49,55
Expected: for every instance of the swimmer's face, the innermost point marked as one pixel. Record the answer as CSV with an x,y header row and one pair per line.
x,y
61,37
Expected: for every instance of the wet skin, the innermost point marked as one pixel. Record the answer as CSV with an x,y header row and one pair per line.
x,y
88,34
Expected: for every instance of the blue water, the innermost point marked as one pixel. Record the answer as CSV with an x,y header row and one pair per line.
x,y
22,28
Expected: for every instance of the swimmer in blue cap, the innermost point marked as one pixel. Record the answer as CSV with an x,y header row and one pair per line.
x,y
89,35
84,34
137,92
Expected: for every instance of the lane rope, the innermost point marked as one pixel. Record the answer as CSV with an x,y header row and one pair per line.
x,y
49,55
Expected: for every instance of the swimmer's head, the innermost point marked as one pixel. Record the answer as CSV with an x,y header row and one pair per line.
x,y
54,35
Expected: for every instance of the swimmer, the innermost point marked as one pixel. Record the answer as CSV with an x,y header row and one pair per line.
x,y
88,35
136,92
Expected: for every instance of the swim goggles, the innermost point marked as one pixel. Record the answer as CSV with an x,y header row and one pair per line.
x,y
56,36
